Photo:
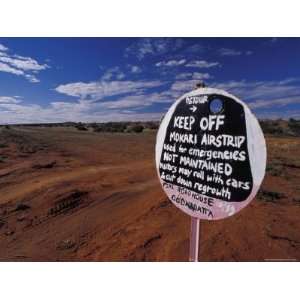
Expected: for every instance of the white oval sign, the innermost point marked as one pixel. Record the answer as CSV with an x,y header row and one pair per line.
x,y
210,154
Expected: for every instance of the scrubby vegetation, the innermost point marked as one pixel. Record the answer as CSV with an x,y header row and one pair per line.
x,y
126,127
278,127
275,169
80,126
281,127
295,126
109,127
123,127
269,196
135,128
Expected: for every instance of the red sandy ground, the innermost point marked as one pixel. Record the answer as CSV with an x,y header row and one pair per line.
x,y
67,195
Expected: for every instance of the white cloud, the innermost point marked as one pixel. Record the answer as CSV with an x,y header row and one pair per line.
x,y
127,102
131,98
233,52
135,69
153,46
182,76
8,69
23,63
137,101
196,48
85,111
98,89
113,73
200,76
171,63
92,103
31,78
8,99
264,94
278,114
20,65
274,102
3,48
193,75
229,52
253,90
202,64
258,94
184,86
273,40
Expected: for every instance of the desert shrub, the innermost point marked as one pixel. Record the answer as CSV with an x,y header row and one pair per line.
x,y
274,169
115,127
80,126
137,128
271,127
93,126
281,127
151,125
98,129
296,201
65,244
294,125
21,206
269,196
110,127
2,223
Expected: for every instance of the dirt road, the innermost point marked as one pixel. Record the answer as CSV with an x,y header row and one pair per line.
x,y
69,195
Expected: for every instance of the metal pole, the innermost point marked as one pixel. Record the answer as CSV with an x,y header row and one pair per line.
x,y
194,239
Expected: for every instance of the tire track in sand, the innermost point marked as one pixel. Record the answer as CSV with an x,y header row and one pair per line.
x,y
22,189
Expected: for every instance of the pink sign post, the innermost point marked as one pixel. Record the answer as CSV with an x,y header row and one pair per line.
x,y
210,157
194,239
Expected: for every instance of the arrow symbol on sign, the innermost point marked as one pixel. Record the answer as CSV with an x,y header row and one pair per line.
x,y
193,108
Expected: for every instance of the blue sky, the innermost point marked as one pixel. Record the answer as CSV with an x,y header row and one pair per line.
x,y
113,79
